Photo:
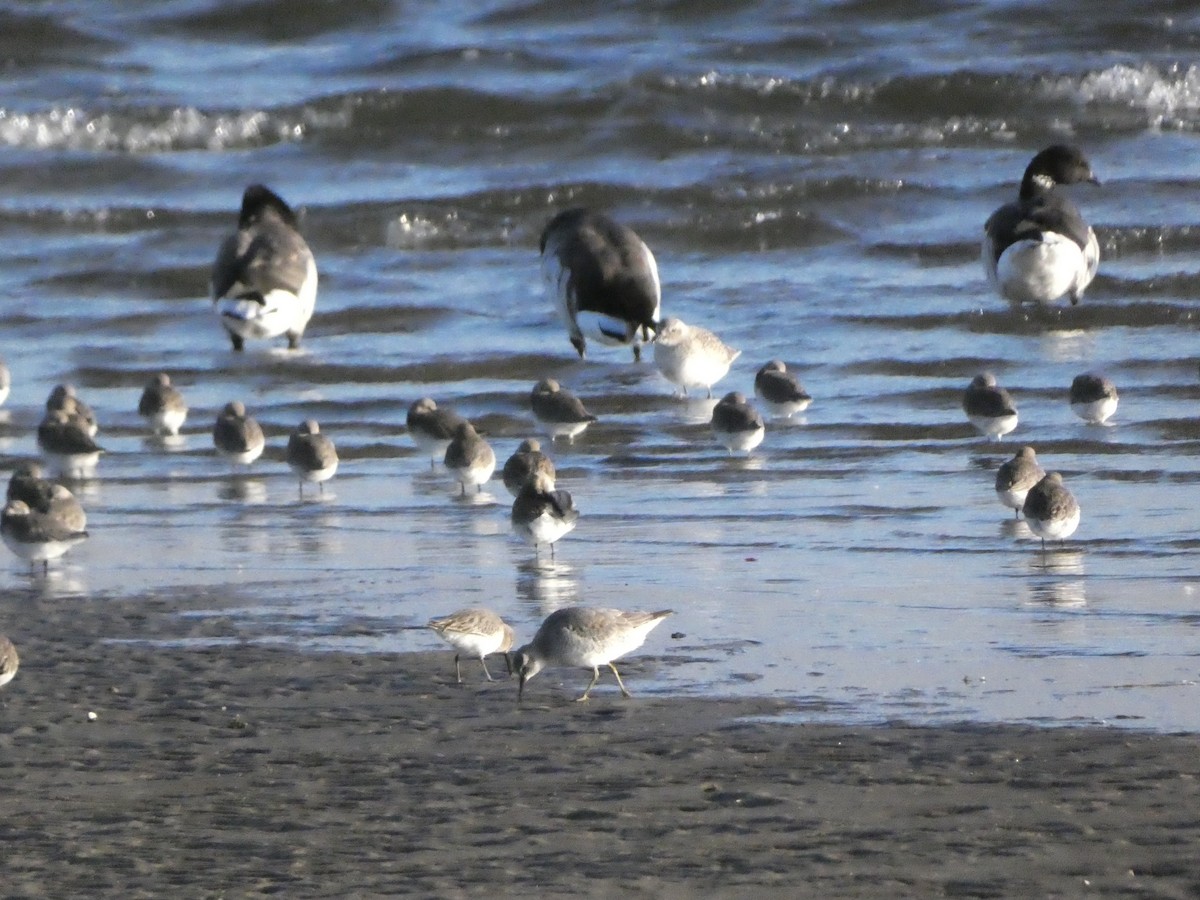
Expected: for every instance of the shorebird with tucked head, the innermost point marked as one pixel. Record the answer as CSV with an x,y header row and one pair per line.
x,y
1015,477
162,406
989,407
736,424
469,458
64,397
475,632
558,410
42,495
541,514
264,279
1093,398
65,438
311,455
237,436
601,278
36,537
585,637
1051,510
691,357
780,391
527,461
1039,247
432,428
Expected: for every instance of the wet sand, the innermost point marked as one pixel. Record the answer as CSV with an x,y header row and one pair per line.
x,y
246,770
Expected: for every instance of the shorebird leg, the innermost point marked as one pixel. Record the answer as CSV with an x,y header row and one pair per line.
x,y
237,341
462,489
626,693
595,678
637,353
485,669
457,669
508,663
1016,514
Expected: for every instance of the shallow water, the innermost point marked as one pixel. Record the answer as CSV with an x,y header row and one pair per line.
x,y
812,178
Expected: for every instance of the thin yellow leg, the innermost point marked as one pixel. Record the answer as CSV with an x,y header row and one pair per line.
x,y
595,678
613,666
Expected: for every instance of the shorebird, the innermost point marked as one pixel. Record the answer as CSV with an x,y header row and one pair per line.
x,y
1039,247
42,495
989,407
65,438
162,406
558,410
1093,398
736,424
431,428
1051,510
264,279
780,391
469,457
475,632
602,279
311,455
691,357
36,537
586,637
237,436
525,462
541,514
1015,477
9,661
65,398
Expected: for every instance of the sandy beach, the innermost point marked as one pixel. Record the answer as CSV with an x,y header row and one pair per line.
x,y
246,770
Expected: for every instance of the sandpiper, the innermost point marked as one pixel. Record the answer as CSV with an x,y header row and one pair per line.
x,y
541,514
559,410
264,279
1015,477
9,661
311,455
525,462
989,407
736,424
780,391
36,537
476,632
586,637
691,357
1093,398
162,406
431,428
1051,510
1038,247
602,279
42,495
65,397
469,457
65,438
237,436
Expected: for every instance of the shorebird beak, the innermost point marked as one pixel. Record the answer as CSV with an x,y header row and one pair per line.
x,y
521,689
